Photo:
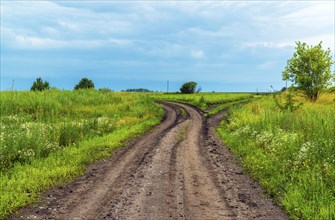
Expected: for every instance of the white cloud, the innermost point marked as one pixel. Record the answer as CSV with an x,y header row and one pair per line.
x,y
47,43
51,31
173,37
198,54
35,42
119,42
308,21
43,22
268,44
69,25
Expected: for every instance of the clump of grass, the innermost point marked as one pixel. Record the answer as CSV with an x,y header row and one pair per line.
x,y
292,154
182,132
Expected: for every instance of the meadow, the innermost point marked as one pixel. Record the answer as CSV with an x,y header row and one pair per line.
x,y
202,100
291,154
47,138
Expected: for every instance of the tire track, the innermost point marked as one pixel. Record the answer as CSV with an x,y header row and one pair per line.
x,y
170,173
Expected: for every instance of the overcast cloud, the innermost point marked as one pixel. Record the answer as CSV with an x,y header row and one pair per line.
x,y
223,45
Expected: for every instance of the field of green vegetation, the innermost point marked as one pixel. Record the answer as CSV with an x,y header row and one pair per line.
x,y
49,137
202,100
292,154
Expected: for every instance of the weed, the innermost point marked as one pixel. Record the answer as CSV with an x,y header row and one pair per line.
x,y
290,103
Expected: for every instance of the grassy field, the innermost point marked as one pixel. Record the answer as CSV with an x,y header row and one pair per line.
x,y
292,154
47,138
202,100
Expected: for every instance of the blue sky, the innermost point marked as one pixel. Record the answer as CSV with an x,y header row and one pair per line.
x,y
222,45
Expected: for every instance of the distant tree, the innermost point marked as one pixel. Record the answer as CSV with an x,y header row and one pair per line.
x,y
188,87
137,90
39,85
309,69
85,83
106,90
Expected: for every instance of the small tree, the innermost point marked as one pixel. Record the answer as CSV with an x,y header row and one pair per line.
x,y
85,83
39,85
290,104
309,69
188,87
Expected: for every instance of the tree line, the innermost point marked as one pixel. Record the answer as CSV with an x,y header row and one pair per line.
x,y
309,70
39,85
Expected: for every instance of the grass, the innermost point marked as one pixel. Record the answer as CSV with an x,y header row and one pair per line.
x,y
201,100
219,108
183,111
48,138
292,154
182,132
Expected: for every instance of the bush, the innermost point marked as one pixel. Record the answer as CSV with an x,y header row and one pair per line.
x,y
85,83
39,85
188,87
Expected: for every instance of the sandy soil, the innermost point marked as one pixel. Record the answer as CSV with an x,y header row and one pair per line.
x,y
178,170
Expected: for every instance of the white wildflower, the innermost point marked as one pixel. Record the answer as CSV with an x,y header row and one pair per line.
x,y
264,137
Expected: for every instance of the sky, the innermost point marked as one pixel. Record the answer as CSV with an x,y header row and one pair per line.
x,y
228,46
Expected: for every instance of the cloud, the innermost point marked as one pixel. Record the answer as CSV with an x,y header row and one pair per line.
x,y
40,23
268,44
198,54
227,40
35,42
45,43
288,22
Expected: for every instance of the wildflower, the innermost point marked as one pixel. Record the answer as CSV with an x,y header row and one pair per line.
x,y
303,153
242,131
264,138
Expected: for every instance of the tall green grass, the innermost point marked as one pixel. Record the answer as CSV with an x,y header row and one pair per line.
x,y
33,124
292,154
202,100
49,137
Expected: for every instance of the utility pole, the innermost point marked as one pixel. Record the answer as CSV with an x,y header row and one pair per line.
x,y
167,86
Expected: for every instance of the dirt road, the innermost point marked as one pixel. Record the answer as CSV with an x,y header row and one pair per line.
x,y
179,170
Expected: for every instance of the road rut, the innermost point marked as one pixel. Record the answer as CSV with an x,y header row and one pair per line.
x,y
179,170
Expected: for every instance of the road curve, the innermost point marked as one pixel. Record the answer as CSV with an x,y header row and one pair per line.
x,y
178,170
